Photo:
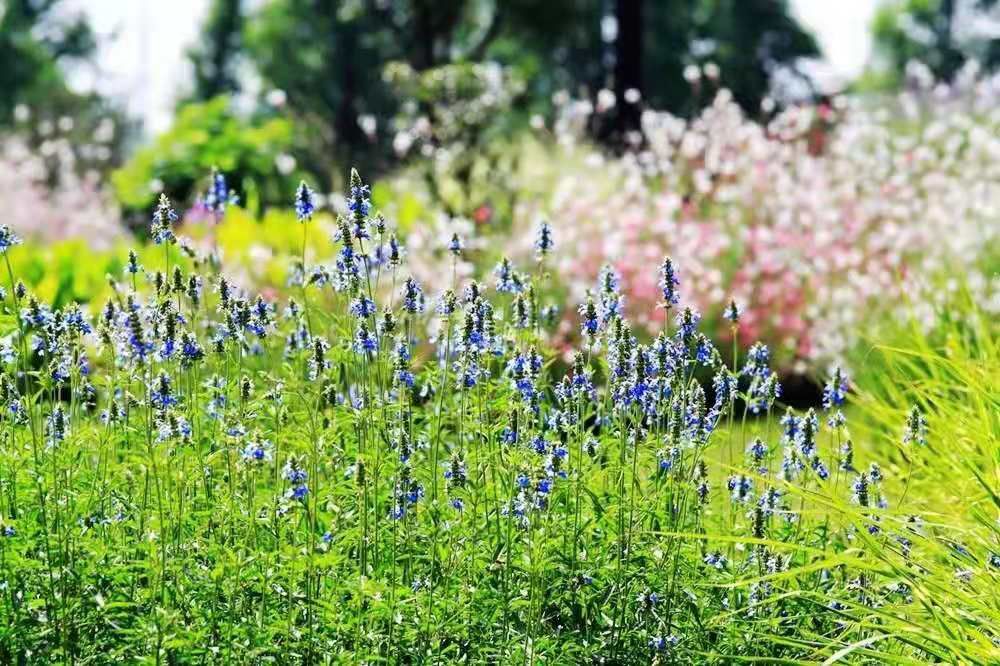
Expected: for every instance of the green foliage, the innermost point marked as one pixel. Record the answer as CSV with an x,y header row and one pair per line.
x,y
33,41
213,476
947,361
330,57
460,120
216,58
54,271
204,136
764,28
940,34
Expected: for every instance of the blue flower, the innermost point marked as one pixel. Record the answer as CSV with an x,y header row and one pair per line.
x,y
447,304
256,453
846,462
470,374
133,263
297,477
362,307
758,358
163,218
359,205
663,643
740,487
364,340
820,468
304,202
668,459
543,240
764,393
608,280
395,252
915,431
757,450
293,472
219,195
835,391
611,307
716,559
77,322
8,239
589,323
669,283
508,282
413,296
733,312
415,492
160,395
860,490
56,426
703,350
687,322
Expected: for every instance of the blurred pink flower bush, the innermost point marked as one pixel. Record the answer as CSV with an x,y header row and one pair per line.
x,y
77,206
813,222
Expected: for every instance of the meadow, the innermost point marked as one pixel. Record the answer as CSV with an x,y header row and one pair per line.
x,y
356,466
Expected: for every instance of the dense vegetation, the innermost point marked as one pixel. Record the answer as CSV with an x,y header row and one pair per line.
x,y
349,469
473,414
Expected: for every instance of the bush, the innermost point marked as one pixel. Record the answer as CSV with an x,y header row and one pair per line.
x,y
206,136
818,221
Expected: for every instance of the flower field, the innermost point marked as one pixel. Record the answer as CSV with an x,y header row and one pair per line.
x,y
499,332
357,465
818,221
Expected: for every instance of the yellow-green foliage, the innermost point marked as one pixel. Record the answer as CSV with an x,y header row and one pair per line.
x,y
951,370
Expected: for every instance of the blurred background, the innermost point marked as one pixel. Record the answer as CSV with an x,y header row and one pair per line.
x,y
804,156
306,88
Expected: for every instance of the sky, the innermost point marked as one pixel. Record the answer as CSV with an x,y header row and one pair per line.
x,y
141,58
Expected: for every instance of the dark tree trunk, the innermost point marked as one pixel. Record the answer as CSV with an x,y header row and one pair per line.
x,y
345,119
628,62
423,18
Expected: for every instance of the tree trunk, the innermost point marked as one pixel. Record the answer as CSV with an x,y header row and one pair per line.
x,y
628,62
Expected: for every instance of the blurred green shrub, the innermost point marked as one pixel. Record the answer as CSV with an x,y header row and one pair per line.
x,y
460,122
203,136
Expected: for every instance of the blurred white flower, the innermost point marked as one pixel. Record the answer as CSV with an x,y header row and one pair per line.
x,y
276,97
285,164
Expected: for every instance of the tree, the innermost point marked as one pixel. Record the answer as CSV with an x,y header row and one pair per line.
x,y
329,57
216,58
35,39
941,34
750,40
628,61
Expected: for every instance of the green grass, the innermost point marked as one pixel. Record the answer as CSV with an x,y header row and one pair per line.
x,y
156,536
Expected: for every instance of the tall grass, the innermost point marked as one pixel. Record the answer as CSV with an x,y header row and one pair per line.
x,y
948,364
